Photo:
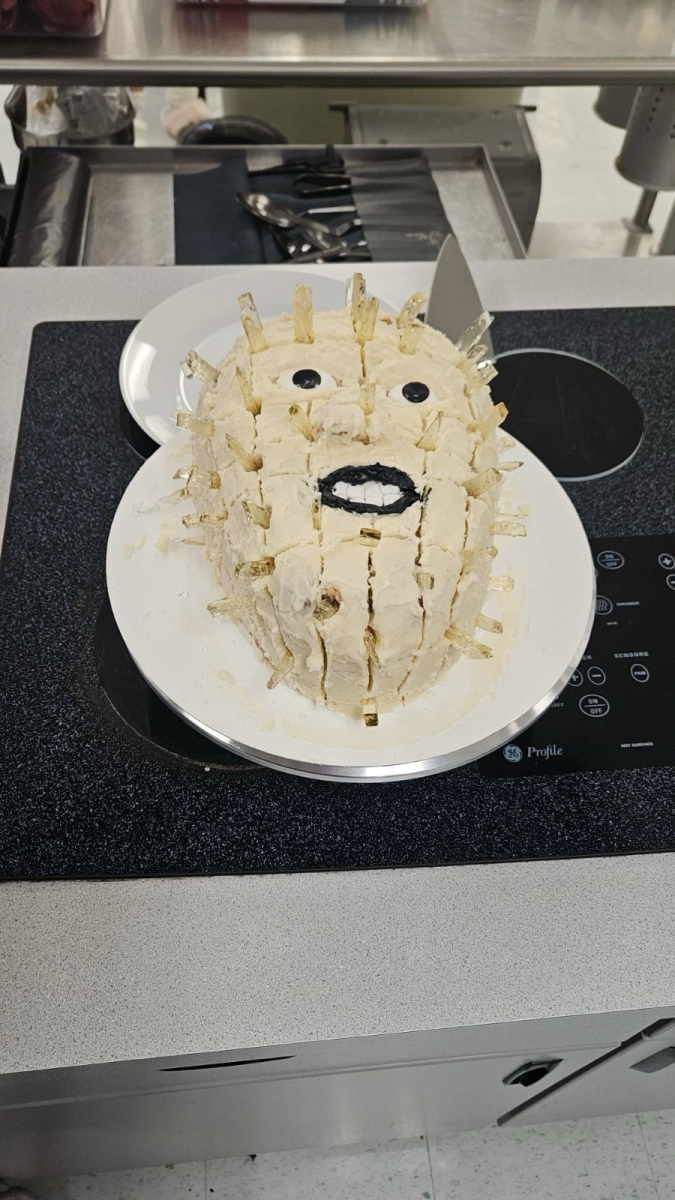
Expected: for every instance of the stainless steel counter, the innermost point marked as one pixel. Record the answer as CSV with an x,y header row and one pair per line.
x,y
464,42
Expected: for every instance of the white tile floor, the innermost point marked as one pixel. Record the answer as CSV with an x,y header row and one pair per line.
x,y
607,1158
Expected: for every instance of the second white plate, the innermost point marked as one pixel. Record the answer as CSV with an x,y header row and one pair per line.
x,y
211,673
204,318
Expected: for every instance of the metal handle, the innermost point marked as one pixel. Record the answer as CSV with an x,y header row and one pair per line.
x,y
532,1072
656,1062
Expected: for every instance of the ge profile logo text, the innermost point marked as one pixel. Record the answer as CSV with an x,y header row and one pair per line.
x,y
513,754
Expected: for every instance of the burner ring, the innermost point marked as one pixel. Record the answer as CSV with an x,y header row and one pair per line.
x,y
577,417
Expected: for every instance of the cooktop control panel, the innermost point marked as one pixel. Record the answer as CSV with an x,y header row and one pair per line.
x,y
618,710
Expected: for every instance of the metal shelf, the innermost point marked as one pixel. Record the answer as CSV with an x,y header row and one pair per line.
x,y
451,42
133,188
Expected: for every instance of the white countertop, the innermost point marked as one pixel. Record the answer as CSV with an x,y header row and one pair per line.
x,y
95,972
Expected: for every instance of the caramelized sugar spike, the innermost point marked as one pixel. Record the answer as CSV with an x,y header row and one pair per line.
x,y
365,325
469,557
477,484
196,520
210,479
500,583
467,645
508,529
410,338
358,298
257,514
200,426
476,353
488,624
251,404
303,314
327,605
249,462
193,364
369,537
285,667
301,422
478,377
250,319
486,424
429,439
410,310
257,568
474,333
231,604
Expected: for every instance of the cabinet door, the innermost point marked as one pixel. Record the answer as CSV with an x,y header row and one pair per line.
x,y
638,1078
354,1105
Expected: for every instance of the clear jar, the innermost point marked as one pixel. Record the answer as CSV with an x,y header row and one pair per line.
x,y
52,18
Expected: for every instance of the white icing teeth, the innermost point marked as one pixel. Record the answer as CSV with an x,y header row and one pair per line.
x,y
379,495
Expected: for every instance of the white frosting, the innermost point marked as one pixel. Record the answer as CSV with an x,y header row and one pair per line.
x,y
363,615
444,567
342,360
396,616
289,499
338,525
445,514
293,588
345,570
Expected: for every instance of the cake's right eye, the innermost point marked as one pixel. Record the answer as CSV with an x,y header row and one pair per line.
x,y
305,379
414,392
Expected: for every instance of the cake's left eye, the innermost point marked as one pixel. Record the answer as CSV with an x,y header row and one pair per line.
x,y
414,392
305,379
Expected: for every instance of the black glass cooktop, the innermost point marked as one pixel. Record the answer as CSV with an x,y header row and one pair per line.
x,y
100,780
618,710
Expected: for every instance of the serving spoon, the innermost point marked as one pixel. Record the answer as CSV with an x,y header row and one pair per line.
x,y
266,209
317,247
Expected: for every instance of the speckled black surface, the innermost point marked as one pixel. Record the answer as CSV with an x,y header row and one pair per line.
x,y
84,794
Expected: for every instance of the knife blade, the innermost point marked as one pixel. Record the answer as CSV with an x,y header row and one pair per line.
x,y
454,301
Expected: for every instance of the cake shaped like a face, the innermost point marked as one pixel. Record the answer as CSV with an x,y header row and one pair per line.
x,y
345,479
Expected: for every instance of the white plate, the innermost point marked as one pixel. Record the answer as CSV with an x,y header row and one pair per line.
x,y
204,318
210,673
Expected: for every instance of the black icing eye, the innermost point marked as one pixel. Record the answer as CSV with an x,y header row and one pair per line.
x,y
305,379
413,392
416,392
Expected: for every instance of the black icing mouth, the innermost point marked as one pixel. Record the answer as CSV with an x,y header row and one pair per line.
x,y
369,489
